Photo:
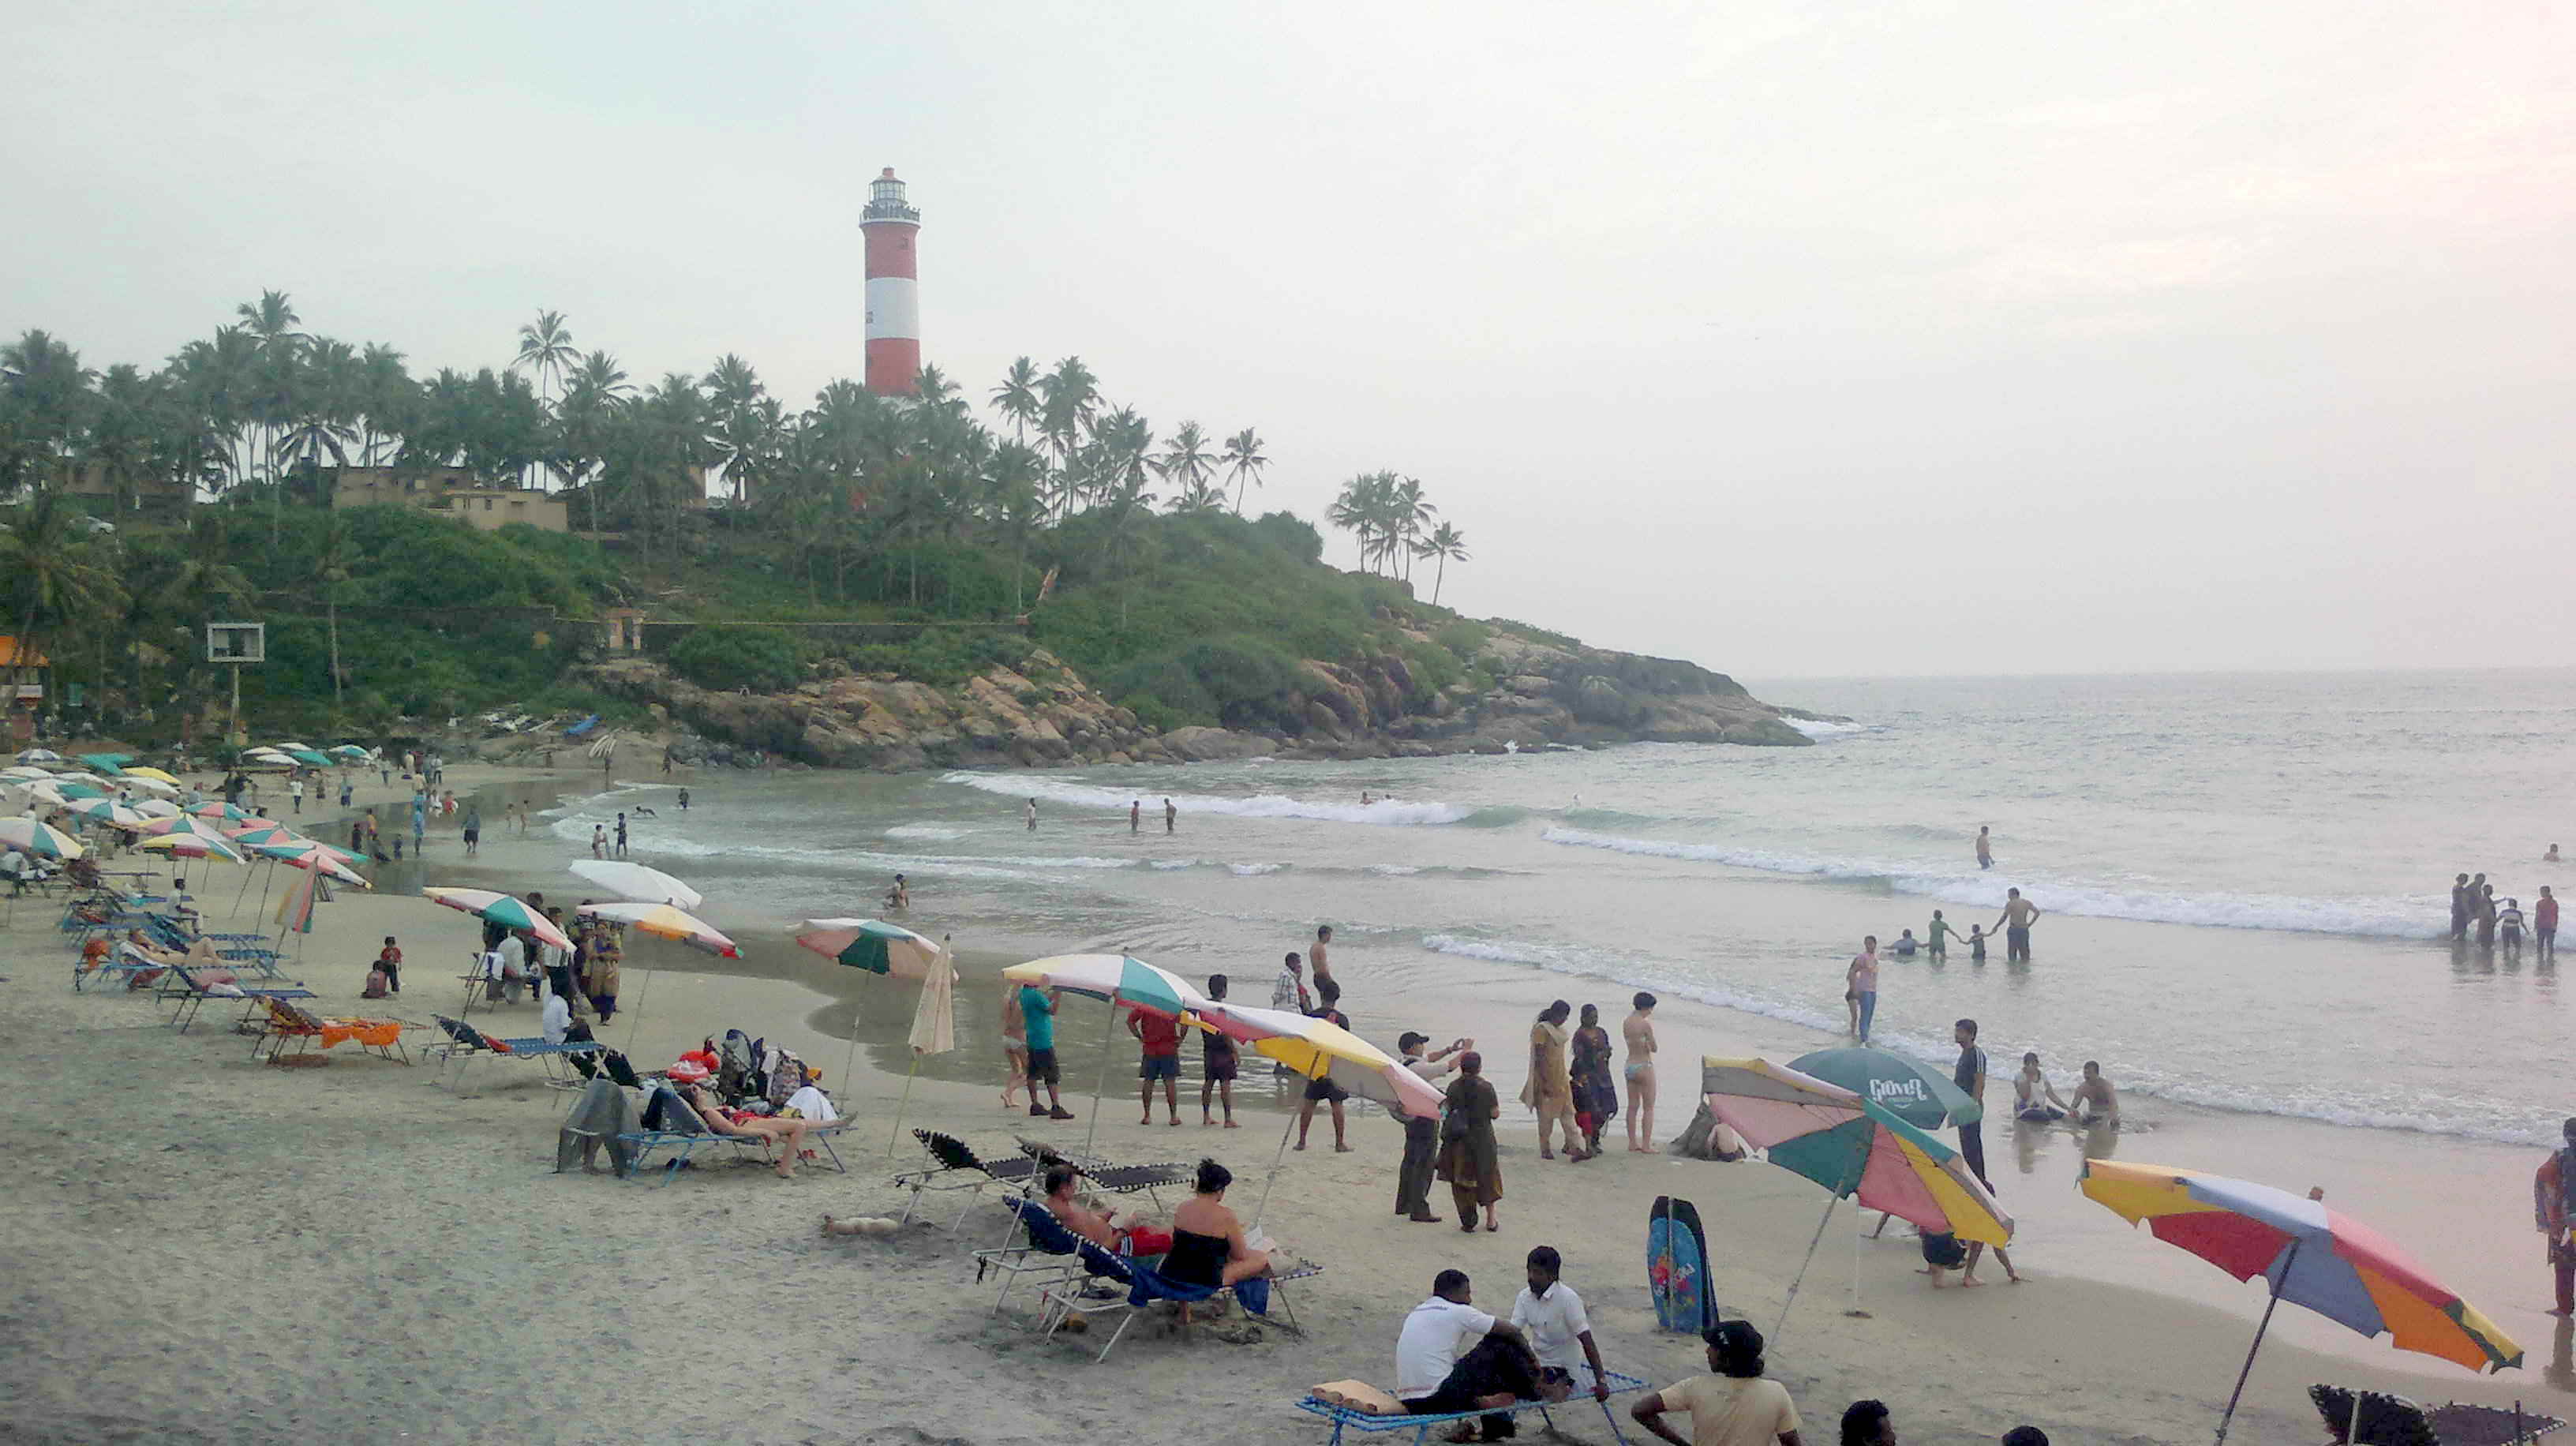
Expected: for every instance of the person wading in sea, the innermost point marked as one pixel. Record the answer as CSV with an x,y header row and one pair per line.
x,y
2018,916
1985,849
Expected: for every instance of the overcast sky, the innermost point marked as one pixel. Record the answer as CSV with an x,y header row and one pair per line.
x,y
1795,339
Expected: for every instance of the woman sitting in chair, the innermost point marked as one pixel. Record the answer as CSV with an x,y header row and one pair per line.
x,y
753,1127
1208,1247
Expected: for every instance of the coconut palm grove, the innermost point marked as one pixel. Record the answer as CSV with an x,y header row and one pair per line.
x,y
902,535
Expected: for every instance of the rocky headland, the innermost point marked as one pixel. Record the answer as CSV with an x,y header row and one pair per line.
x,y
1044,715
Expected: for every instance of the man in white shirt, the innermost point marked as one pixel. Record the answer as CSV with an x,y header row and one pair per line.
x,y
1560,1334
1422,1136
1454,1357
512,955
555,1020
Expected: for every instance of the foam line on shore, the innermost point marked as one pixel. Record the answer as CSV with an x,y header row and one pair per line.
x,y
1393,812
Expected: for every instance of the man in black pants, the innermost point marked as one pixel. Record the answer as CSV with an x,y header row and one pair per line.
x,y
1421,1135
1970,1077
1438,1371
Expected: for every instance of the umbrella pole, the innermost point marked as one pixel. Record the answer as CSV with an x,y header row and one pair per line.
x,y
635,1024
1100,1096
1817,1239
1276,1161
900,1104
1858,1215
2268,1306
247,871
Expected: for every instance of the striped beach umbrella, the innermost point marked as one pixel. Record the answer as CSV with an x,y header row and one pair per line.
x,y
318,858
107,811
39,755
664,922
1117,980
192,846
875,946
506,910
37,837
216,808
1318,1049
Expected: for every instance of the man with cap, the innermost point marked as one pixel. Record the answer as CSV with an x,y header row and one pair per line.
x,y
1422,1136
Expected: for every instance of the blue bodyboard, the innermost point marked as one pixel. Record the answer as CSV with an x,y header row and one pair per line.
x,y
1677,1267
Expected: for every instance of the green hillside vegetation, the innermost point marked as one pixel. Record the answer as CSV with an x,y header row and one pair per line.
x,y
906,515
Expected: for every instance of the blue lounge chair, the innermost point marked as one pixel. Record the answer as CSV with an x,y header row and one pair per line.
x,y
683,1132
182,985
465,1044
1145,1285
1050,1254
1369,1423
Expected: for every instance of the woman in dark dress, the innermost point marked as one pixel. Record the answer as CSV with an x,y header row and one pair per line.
x,y
1595,1098
1469,1160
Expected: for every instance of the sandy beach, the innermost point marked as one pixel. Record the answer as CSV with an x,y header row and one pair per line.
x,y
201,1248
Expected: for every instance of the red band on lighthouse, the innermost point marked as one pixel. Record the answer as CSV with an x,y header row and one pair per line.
x,y
894,309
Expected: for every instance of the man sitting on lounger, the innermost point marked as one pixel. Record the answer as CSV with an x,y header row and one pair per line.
x,y
787,1137
1454,1357
1064,1201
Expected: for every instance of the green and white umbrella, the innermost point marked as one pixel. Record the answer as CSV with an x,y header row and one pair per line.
x,y
1119,980
875,946
503,909
37,837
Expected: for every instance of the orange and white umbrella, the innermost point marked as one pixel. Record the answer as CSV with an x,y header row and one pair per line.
x,y
664,922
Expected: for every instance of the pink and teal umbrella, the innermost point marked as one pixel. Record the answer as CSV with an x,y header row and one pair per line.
x,y
505,910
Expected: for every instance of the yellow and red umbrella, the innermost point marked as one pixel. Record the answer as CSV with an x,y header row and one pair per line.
x,y
2309,1255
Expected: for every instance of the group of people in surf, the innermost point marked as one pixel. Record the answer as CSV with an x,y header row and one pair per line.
x,y
2501,924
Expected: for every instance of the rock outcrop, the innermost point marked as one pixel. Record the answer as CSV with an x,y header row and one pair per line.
x,y
1043,715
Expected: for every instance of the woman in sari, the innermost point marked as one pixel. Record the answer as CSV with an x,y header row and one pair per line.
x,y
1469,1160
1550,1089
1595,1099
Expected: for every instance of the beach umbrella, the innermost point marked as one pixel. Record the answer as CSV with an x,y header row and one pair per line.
x,y
39,838
1114,979
39,755
1854,1148
110,764
1318,1049
158,809
934,1031
218,809
635,881
25,773
875,946
502,909
154,774
192,846
1920,1094
351,752
308,756
664,922
291,746
317,857
2308,1255
78,788
108,811
150,785
269,832
186,827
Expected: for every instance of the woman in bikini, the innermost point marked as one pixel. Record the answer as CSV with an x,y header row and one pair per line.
x,y
756,1127
1639,1030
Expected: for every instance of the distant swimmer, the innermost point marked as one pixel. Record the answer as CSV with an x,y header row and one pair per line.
x,y
2034,1098
1031,812
2096,1103
2018,915
1135,815
1985,849
1365,800
1171,816
2550,857
1905,944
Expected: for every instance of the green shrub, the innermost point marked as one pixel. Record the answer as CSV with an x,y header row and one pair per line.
x,y
764,660
1463,638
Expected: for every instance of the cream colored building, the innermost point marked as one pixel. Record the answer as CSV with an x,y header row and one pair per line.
x,y
448,492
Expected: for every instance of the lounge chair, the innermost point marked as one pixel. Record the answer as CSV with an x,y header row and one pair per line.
x,y
183,985
2387,1420
1051,1254
464,1044
1145,1285
973,1174
1369,1423
288,1020
673,1125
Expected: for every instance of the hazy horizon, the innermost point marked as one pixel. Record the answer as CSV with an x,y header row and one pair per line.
x,y
1964,341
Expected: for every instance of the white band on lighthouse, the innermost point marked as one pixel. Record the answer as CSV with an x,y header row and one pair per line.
x,y
894,308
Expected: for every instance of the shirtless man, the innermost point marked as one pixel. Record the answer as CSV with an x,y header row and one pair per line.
x,y
2018,914
2096,1103
1985,849
1638,1030
1315,959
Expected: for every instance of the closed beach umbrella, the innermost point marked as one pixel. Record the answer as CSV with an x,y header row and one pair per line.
x,y
37,837
934,1031
505,910
635,881
1115,979
1318,1049
2308,1255
1854,1148
664,922
1920,1094
875,946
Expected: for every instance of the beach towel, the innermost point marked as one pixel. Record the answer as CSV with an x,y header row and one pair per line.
x,y
1358,1396
812,1104
602,1116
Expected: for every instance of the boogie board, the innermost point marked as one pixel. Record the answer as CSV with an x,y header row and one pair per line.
x,y
1677,1267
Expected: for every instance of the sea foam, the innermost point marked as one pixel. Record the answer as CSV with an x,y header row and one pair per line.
x,y
1259,805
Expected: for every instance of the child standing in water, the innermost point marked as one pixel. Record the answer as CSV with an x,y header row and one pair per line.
x,y
1977,943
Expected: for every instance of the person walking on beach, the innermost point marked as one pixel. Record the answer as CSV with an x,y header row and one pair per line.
x,y
621,835
344,790
2460,896
1936,936
1860,987
1595,1099
1321,1090
1135,815
1969,1074
1033,815
1015,1051
1469,1159
2553,1197
473,830
1985,849
1171,817
2018,915
1549,1090
1638,1031
2544,926
419,820
1218,1062
1422,1133
1037,1010
295,793
1159,1036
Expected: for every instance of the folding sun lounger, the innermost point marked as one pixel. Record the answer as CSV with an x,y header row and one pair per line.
x,y
183,985
465,1044
1049,1256
288,1020
1145,1286
1372,1423
2387,1420
683,1130
973,1174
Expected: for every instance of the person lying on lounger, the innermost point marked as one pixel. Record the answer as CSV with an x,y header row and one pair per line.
x,y
1064,1201
789,1132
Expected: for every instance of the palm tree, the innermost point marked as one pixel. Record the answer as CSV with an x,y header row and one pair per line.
x,y
1407,515
1017,398
52,570
47,392
385,397
1242,461
1185,459
124,432
545,348
1448,544
271,321
746,422
1365,508
1067,398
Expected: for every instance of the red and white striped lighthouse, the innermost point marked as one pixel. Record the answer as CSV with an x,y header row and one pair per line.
x,y
894,303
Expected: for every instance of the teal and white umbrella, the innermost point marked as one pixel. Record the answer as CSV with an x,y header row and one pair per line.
x,y
1119,980
42,839
875,946
506,910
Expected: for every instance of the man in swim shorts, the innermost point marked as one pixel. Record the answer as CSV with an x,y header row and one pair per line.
x,y
2016,922
2096,1103
2544,925
1985,849
1638,1030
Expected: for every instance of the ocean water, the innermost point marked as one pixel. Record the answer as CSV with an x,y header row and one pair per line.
x,y
2245,878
